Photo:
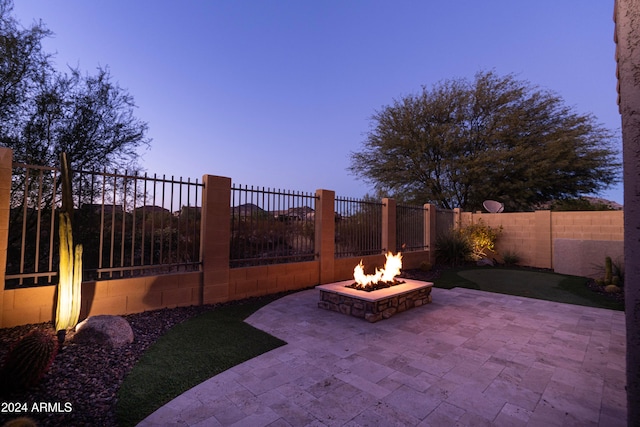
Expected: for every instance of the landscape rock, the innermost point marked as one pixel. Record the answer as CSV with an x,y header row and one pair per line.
x,y
105,330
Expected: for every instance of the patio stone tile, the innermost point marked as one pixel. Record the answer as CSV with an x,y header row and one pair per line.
x,y
325,386
437,367
444,415
512,415
363,384
293,414
420,382
229,414
280,423
501,391
262,417
336,409
365,368
474,401
468,358
412,402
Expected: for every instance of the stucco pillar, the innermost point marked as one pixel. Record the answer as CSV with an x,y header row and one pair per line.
x,y
325,234
430,230
6,159
627,37
215,238
388,225
542,241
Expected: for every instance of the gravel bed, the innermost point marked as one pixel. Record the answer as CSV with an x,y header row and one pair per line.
x,y
86,378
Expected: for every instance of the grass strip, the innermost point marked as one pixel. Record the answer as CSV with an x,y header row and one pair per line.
x,y
190,353
533,284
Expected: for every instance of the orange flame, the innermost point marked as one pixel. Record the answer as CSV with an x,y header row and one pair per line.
x,y
391,269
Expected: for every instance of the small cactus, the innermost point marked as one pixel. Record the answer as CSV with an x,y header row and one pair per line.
x,y
20,422
612,289
608,270
28,361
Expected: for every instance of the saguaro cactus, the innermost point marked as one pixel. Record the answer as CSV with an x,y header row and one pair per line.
x,y
70,283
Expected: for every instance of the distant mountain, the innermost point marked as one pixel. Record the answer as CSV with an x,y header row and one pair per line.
x,y
599,201
585,203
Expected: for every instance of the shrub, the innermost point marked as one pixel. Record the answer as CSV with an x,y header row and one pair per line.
x,y
425,266
481,237
28,361
453,248
511,257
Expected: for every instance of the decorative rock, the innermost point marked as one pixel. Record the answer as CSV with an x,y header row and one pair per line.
x,y
104,330
485,261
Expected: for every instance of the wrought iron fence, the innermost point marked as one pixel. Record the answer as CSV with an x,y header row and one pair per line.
x,y
358,227
271,226
129,225
410,228
444,222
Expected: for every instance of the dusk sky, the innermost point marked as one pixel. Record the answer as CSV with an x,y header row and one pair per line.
x,y
279,93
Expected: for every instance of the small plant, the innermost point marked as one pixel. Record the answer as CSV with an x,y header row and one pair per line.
x,y
425,266
453,248
613,276
20,422
482,238
612,289
28,361
608,270
511,258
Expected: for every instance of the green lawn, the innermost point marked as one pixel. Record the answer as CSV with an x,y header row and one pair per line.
x,y
190,353
527,283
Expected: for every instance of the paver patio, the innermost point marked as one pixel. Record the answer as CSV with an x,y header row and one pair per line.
x,y
468,358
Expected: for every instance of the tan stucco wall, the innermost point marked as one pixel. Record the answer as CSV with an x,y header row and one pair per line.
x,y
531,235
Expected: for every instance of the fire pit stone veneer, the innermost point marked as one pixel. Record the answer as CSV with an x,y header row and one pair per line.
x,y
375,305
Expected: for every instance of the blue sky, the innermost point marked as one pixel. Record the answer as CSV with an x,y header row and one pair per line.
x,y
279,93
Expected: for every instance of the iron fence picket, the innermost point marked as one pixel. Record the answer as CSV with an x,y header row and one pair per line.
x,y
125,246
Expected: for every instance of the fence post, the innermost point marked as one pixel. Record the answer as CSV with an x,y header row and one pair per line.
x,y
543,239
325,232
6,158
388,225
430,230
215,238
457,218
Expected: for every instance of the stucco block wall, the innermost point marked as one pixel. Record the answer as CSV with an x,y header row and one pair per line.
x,y
121,296
247,282
605,225
532,235
585,257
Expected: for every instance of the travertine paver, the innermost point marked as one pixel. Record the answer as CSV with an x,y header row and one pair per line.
x,y
468,358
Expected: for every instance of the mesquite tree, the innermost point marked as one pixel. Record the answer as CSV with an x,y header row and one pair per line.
x,y
462,142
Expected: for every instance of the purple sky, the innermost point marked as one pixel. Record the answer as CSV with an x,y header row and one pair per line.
x,y
279,93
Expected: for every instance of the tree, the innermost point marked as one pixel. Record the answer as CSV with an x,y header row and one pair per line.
x,y
44,112
463,142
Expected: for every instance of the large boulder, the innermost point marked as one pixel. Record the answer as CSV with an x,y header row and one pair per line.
x,y
105,330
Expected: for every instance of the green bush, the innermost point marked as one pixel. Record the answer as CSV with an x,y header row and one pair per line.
x,y
511,257
453,248
481,237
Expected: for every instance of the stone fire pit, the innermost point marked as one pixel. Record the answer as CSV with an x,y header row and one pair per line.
x,y
375,305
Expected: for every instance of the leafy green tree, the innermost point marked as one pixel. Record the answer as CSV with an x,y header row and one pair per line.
x,y
44,112
462,142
